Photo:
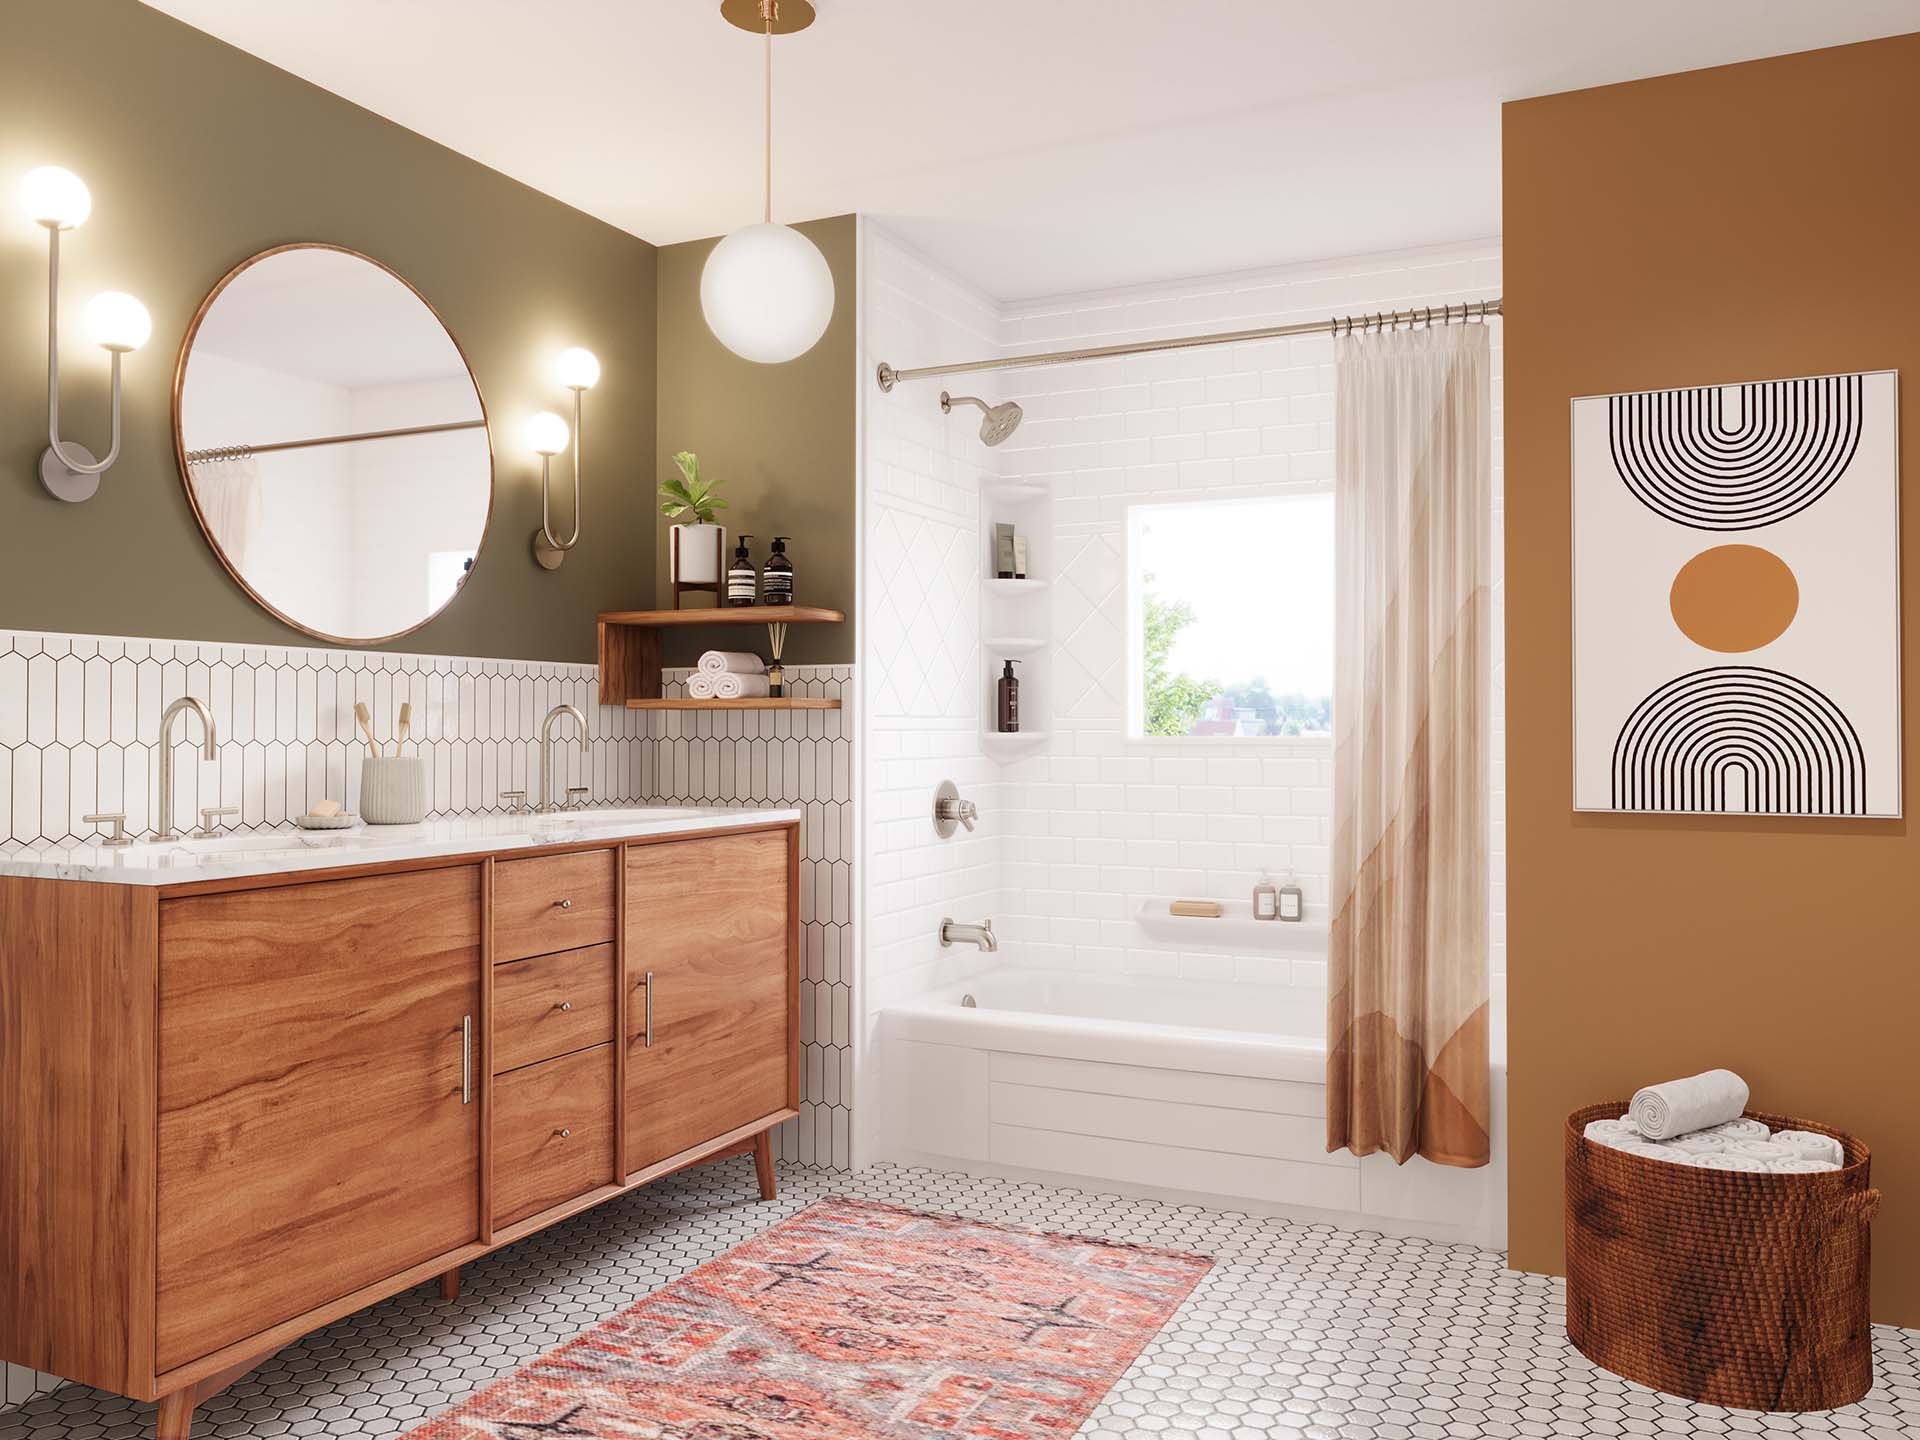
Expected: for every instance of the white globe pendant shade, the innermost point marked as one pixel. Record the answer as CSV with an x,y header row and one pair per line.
x,y
116,321
767,293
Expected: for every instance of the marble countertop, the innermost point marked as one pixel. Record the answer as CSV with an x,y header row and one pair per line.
x,y
275,852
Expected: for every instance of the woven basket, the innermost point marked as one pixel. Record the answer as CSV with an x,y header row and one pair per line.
x,y
1722,1286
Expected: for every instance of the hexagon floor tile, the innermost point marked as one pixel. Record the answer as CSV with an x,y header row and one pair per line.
x,y
1301,1332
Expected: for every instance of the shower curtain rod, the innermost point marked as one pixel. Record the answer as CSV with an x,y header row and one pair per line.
x,y
236,452
1336,325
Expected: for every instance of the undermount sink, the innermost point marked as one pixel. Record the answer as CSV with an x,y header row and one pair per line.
x,y
625,815
276,840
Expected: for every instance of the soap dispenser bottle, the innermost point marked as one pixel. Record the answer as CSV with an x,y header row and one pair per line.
x,y
743,583
1266,899
1293,904
1007,710
776,581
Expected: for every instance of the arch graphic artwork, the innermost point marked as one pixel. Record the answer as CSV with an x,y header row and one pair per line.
x,y
1739,739
1679,455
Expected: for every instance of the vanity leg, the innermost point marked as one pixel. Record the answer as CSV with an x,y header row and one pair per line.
x,y
176,1415
450,1285
763,1164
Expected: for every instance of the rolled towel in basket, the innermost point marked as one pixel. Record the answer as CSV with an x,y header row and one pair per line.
x,y
1703,1142
1800,1165
1728,1160
700,686
1759,1149
1742,1129
1696,1103
1812,1145
1605,1132
734,662
731,685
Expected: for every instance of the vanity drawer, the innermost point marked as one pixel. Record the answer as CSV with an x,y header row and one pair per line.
x,y
554,902
552,1133
551,1005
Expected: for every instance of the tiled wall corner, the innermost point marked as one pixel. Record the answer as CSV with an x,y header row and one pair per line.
x,y
920,603
804,759
80,717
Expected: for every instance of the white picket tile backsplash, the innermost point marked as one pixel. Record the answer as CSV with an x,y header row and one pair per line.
x,y
80,718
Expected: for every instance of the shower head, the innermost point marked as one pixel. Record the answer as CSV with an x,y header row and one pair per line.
x,y
999,421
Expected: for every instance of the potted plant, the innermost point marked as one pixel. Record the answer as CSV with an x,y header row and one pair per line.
x,y
697,546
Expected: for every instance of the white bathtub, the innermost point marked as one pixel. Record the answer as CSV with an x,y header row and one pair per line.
x,y
1191,1090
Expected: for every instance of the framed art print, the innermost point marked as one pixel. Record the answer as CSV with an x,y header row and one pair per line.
x,y
1736,599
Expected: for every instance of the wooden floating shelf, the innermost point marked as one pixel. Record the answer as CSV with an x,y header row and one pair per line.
x,y
630,653
752,702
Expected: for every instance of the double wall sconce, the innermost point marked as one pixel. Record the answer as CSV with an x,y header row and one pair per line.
x,y
117,323
547,436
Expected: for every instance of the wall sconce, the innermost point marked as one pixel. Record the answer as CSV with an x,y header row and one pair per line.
x,y
579,371
117,323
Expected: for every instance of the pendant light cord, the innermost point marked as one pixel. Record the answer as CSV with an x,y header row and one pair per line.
x,y
768,9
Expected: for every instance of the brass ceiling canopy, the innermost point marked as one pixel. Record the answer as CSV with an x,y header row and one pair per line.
x,y
789,16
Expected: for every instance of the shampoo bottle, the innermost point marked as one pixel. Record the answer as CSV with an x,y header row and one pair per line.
x,y
742,582
776,581
1007,712
1293,904
1266,899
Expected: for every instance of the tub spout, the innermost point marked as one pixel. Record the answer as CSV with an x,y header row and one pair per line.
x,y
957,932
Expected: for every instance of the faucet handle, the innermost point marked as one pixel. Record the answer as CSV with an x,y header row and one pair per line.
x,y
210,820
580,791
519,799
115,838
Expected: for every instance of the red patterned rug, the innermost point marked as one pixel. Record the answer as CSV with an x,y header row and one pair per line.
x,y
853,1321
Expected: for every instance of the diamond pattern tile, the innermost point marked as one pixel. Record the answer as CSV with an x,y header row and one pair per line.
x,y
1301,1332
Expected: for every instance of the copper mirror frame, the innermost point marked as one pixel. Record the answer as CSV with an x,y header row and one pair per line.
x,y
186,475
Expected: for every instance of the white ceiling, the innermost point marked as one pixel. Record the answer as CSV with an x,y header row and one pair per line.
x,y
1035,146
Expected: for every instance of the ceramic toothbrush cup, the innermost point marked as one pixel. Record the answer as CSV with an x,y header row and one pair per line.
x,y
393,789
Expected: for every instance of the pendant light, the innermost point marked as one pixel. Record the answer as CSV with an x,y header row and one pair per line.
x,y
766,291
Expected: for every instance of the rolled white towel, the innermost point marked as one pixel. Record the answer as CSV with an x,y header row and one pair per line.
x,y
1700,1142
1742,1129
1601,1131
1759,1149
700,686
1813,1145
1698,1102
731,685
1728,1160
735,662
1800,1165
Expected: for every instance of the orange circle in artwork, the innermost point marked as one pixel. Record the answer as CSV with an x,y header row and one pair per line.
x,y
1734,598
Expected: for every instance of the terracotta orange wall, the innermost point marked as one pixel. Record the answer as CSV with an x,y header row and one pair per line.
x,y
1755,221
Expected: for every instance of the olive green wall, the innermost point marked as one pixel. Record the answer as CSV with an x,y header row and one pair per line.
x,y
782,437
198,156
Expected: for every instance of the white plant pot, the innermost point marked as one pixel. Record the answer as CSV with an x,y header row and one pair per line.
x,y
695,553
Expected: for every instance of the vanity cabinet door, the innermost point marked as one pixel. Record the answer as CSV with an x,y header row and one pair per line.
x,y
711,920
316,1133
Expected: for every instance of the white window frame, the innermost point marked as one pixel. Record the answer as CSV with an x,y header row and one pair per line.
x,y
1133,642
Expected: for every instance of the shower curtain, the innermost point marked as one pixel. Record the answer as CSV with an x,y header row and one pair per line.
x,y
1407,1062
228,494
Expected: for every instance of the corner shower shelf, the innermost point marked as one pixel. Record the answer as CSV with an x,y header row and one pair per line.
x,y
630,653
1014,492
1013,644
1029,586
1236,927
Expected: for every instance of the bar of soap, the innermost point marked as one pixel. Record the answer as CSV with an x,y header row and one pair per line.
x,y
321,809
1197,909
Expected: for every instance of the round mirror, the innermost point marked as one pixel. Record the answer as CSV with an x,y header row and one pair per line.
x,y
333,443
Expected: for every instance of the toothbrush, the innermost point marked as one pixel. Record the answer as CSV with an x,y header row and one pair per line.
x,y
406,723
366,726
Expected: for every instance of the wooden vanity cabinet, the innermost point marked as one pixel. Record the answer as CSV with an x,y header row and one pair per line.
x,y
232,1112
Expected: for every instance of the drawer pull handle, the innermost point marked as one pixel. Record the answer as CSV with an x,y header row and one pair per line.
x,y
564,904
648,982
466,1060
564,1007
564,1134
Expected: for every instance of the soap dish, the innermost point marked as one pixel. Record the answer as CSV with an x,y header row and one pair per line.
x,y
325,822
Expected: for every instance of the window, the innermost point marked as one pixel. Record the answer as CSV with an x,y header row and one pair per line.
x,y
1230,611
